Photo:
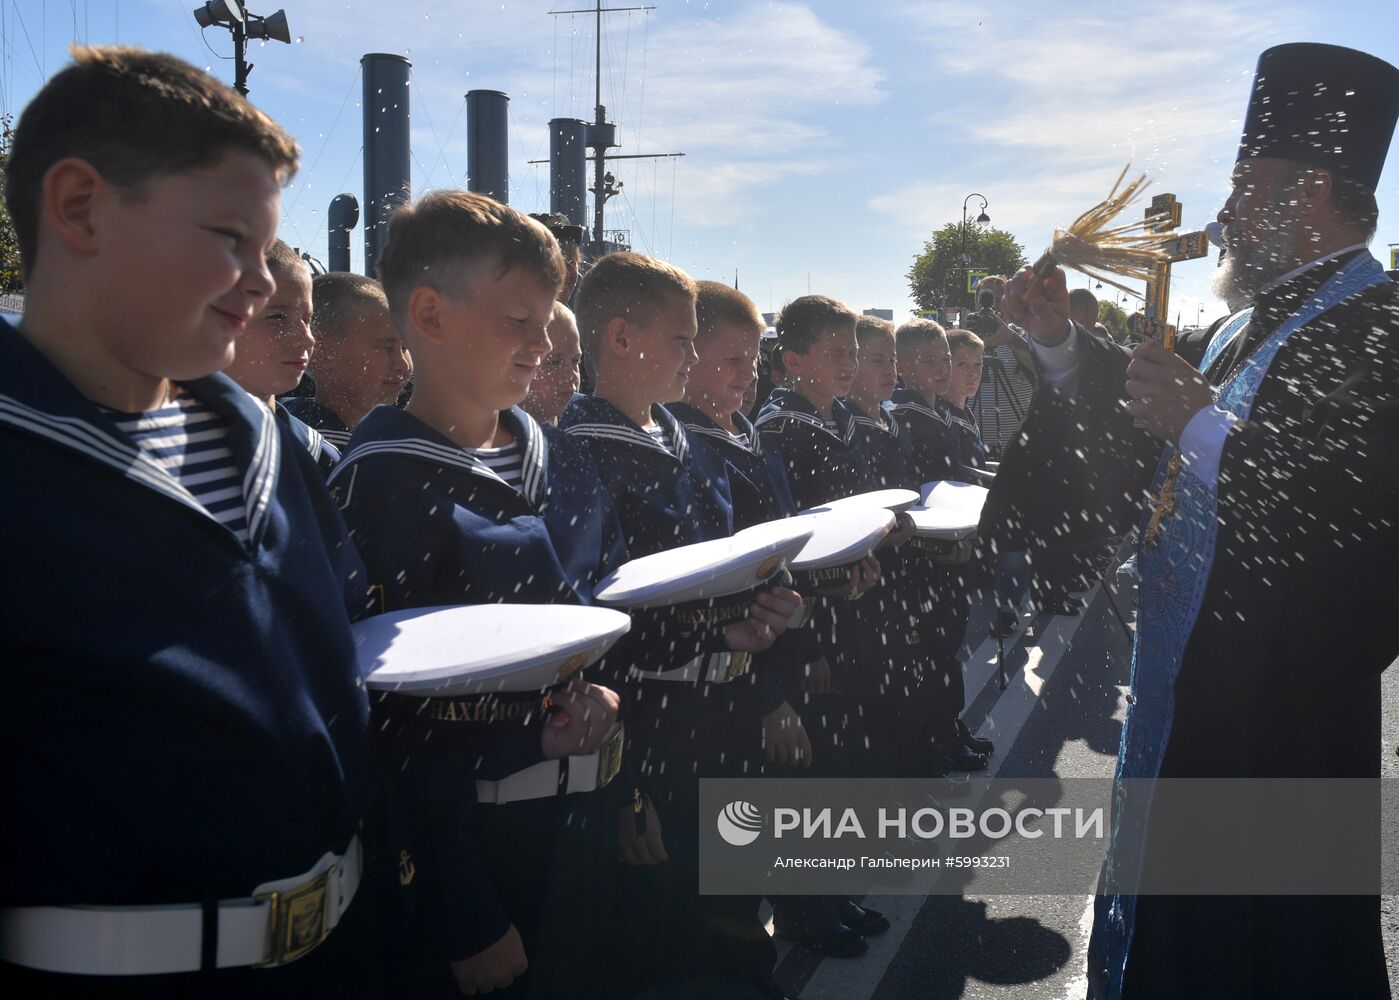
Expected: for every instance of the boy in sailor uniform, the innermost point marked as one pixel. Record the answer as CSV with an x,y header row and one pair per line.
x,y
893,686
636,317
360,362
273,354
925,368
964,435
729,327
560,374
185,694
810,427
462,498
925,365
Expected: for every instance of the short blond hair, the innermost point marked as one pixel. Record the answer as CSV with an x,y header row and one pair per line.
x,y
964,338
337,300
283,260
437,238
873,326
716,303
915,333
629,285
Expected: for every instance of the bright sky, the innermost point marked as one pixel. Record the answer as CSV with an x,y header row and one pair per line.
x,y
824,140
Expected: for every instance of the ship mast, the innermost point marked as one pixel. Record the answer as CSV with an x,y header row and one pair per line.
x,y
602,134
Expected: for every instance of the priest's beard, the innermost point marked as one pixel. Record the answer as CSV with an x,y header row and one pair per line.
x,y
1255,260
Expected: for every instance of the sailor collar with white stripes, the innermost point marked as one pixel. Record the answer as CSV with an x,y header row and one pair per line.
x,y
787,405
310,438
910,401
698,422
602,421
45,405
388,430
952,417
861,418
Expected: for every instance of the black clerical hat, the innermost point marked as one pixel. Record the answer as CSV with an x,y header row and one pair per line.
x,y
1323,105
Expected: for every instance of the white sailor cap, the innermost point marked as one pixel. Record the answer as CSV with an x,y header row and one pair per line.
x,y
895,500
704,570
841,535
482,648
949,511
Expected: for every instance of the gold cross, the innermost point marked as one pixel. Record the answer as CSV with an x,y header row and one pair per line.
x,y
1166,212
1164,503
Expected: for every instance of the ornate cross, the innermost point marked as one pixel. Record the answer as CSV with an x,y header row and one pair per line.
x,y
1186,246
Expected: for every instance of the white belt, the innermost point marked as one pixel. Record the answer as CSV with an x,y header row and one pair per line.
x,y
279,922
715,668
583,773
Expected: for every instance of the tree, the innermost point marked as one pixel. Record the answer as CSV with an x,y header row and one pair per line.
x,y
1114,318
938,275
11,278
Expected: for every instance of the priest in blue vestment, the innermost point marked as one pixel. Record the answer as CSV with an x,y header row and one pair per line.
x,y
1265,486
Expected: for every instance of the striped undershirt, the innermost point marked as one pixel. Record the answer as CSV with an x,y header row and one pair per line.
x,y
189,441
1004,398
508,462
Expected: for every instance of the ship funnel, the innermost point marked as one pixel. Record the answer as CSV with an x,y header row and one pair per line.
x,y
387,172
487,143
568,169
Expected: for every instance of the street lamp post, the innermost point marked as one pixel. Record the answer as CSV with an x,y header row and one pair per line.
x,y
981,219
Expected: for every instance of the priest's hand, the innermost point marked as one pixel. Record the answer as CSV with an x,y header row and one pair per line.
x,y
1166,391
784,738
583,716
1039,305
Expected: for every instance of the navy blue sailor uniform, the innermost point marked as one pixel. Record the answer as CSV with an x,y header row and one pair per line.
x,y
896,696
966,450
925,427
939,445
322,452
822,464
319,418
687,702
186,702
884,446
759,493
438,524
665,497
